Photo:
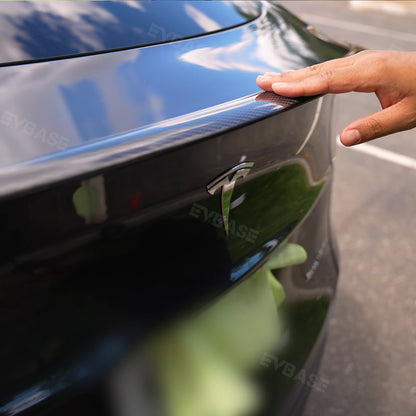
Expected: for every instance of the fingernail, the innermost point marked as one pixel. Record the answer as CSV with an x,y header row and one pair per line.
x,y
264,77
351,137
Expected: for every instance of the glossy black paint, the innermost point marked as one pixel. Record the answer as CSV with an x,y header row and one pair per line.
x,y
33,31
115,235
99,111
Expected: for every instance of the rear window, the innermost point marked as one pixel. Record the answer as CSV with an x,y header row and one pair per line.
x,y
33,30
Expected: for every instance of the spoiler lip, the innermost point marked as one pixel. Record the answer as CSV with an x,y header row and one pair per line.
x,y
121,149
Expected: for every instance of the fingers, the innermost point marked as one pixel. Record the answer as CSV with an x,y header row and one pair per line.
x,y
325,81
320,74
328,81
389,74
390,120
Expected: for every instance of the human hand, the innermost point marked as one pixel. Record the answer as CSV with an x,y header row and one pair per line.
x,y
389,74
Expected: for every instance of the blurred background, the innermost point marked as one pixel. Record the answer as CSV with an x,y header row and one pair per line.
x,y
370,357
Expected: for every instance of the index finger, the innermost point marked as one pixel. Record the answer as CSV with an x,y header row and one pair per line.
x,y
265,82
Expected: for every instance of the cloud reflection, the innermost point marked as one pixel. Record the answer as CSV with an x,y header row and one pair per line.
x,y
78,32
234,56
201,18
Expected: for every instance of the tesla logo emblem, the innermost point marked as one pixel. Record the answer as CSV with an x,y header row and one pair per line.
x,y
226,183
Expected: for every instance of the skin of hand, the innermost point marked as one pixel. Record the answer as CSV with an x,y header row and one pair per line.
x,y
390,75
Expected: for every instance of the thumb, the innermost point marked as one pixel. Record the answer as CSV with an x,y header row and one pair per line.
x,y
390,120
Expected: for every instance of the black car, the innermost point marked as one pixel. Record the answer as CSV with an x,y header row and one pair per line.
x,y
166,246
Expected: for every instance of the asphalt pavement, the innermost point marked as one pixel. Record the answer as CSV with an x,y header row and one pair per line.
x,y
370,357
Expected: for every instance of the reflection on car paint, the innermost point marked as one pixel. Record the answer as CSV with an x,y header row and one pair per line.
x,y
72,285
135,98
90,200
33,31
226,182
